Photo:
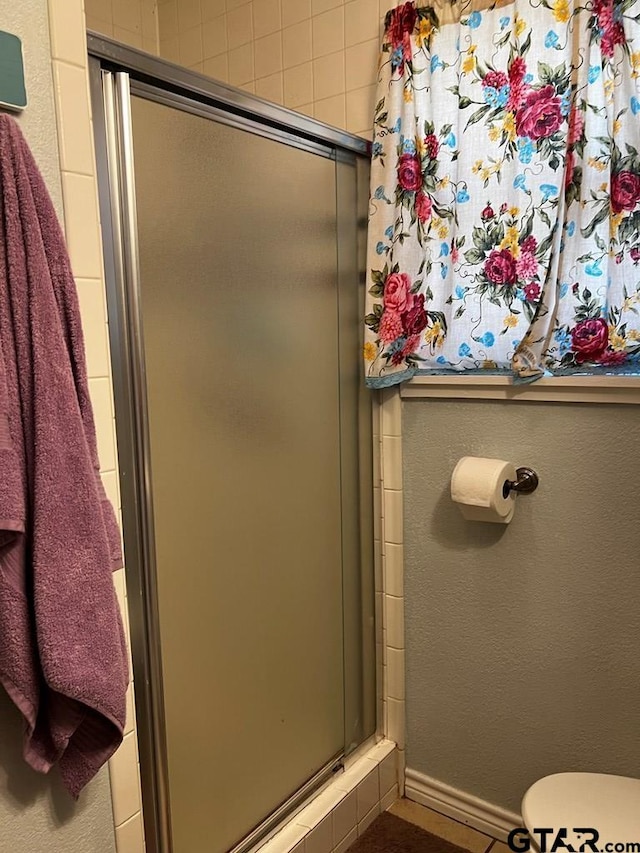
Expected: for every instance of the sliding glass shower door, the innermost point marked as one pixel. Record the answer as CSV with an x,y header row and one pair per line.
x,y
238,271
245,460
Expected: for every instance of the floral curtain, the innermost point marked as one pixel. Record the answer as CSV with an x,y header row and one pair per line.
x,y
504,231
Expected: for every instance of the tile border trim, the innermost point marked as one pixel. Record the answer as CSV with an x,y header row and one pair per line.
x,y
348,793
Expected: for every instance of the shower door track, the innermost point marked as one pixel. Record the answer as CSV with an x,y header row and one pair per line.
x,y
116,71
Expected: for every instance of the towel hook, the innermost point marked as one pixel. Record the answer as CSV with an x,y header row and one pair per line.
x,y
526,483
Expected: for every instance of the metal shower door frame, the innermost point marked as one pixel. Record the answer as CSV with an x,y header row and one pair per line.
x,y
117,72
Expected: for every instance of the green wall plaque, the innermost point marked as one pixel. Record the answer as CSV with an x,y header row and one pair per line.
x,y
13,94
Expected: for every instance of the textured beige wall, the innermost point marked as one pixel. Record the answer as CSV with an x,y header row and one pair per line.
x,y
36,814
318,57
133,22
523,640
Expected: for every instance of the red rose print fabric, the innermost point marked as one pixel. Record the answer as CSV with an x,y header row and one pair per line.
x,y
504,228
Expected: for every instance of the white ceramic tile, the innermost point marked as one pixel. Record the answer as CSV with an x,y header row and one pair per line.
x,y
388,773
306,109
395,730
361,21
328,76
296,44
346,843
379,608
239,27
82,228
133,39
298,85
214,37
67,31
331,111
189,15
360,105
377,567
271,88
367,794
393,570
100,391
395,673
377,459
98,26
344,817
364,133
286,839
111,487
375,414
120,588
149,15
268,55
123,772
392,461
328,32
361,64
394,621
391,412
320,807
91,297
320,839
389,799
96,8
353,775
368,819
266,17
126,14
240,65
212,9
379,751
190,46
393,531
150,45
168,20
131,712
130,835
377,513
169,50
218,67
294,11
319,6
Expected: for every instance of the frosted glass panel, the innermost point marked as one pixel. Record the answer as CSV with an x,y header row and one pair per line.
x,y
237,241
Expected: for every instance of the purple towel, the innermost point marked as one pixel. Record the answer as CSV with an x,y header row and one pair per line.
x,y
63,658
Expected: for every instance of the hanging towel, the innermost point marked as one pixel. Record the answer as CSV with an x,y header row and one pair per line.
x,y
63,658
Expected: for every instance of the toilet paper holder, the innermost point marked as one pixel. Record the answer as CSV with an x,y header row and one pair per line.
x,y
526,483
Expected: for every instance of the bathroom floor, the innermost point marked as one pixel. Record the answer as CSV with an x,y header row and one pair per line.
x,y
408,827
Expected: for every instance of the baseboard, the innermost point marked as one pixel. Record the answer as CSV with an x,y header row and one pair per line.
x,y
470,810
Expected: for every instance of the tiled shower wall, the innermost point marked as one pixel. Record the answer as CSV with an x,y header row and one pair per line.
x,y
318,57
82,228
325,22
134,22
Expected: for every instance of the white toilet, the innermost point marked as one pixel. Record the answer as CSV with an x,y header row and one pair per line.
x,y
610,805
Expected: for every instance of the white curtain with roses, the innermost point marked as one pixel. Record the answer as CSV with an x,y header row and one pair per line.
x,y
504,232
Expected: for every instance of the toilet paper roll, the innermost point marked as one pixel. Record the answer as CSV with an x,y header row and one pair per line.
x,y
477,487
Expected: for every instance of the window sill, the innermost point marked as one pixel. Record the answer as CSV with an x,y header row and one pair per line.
x,y
564,389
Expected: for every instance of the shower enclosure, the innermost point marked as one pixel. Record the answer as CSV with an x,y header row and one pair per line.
x,y
234,240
